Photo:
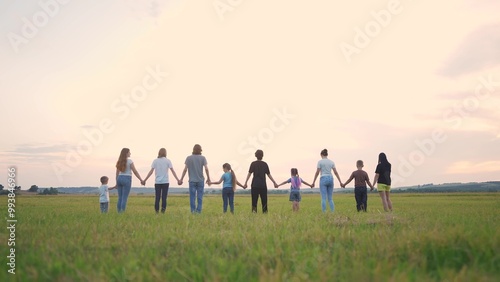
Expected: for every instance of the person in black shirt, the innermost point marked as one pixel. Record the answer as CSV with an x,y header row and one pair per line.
x,y
383,180
259,169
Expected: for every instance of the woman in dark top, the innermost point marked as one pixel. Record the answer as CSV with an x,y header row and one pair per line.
x,y
259,169
383,180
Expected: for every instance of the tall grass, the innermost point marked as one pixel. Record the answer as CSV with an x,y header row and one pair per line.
x,y
452,237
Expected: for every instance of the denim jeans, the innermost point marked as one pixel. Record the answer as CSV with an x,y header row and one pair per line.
x,y
326,190
104,207
228,195
161,191
123,185
361,196
196,190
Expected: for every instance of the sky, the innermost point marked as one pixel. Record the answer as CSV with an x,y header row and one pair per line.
x,y
418,80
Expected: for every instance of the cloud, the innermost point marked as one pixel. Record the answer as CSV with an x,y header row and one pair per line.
x,y
39,148
467,167
480,50
34,152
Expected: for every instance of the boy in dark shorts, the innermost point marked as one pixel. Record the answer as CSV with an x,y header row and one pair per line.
x,y
360,190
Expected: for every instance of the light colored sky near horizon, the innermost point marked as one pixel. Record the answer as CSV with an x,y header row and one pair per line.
x,y
81,80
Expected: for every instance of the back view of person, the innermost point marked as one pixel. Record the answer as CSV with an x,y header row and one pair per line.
x,y
228,188
194,164
124,169
160,166
360,191
383,180
104,194
295,181
259,169
325,167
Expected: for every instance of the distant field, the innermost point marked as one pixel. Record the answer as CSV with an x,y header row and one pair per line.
x,y
429,237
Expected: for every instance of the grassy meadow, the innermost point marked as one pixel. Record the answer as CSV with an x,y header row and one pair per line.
x,y
429,237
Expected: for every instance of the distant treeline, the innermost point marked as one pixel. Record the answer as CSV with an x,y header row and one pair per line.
x,y
492,186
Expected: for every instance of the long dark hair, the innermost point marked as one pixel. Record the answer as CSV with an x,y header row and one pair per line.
x,y
382,159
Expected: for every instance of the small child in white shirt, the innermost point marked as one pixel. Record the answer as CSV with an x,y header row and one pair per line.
x,y
104,194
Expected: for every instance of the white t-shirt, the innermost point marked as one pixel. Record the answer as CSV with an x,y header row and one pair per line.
x,y
161,166
103,194
326,166
127,171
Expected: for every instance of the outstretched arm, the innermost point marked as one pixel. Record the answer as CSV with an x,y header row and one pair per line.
x,y
369,184
217,182
174,174
183,174
315,176
208,174
348,181
132,167
149,174
338,177
246,181
306,183
238,183
274,182
283,183
375,179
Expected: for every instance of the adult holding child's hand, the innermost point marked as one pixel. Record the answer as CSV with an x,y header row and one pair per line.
x,y
124,168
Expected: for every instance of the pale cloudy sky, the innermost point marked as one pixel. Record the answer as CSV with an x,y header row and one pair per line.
x,y
418,80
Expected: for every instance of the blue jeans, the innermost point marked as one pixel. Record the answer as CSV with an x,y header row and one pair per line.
x,y
123,185
196,190
104,207
228,195
326,190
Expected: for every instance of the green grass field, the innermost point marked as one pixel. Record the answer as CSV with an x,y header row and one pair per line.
x,y
429,237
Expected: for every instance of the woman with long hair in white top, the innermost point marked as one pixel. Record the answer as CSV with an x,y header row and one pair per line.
x,y
124,168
